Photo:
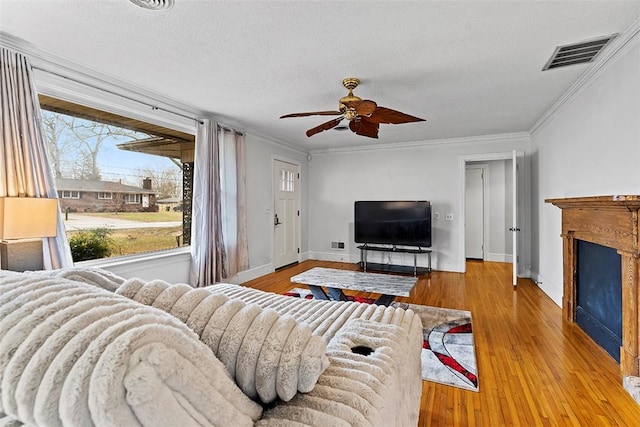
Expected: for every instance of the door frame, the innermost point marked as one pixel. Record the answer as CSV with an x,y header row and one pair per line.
x,y
485,217
272,235
480,157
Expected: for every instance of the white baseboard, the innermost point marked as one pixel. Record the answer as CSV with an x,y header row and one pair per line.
x,y
336,256
448,266
498,257
254,273
553,291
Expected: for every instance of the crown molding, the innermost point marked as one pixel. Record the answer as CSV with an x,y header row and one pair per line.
x,y
524,136
617,48
277,143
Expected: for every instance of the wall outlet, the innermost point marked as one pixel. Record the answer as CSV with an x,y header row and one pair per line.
x,y
448,216
436,215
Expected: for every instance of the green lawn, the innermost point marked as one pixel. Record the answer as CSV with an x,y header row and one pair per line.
x,y
138,240
162,216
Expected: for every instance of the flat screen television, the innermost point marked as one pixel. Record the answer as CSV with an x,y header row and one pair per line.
x,y
398,222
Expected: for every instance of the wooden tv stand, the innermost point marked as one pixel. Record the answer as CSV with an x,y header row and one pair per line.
x,y
392,267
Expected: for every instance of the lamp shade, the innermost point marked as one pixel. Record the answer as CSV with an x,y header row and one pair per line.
x,y
28,217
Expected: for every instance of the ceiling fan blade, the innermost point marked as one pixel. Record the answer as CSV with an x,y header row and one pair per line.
x,y
387,115
361,126
312,113
364,107
325,126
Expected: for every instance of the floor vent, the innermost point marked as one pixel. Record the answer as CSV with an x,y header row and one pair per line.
x,y
577,53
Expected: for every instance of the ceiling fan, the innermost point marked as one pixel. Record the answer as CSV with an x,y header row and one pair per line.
x,y
364,116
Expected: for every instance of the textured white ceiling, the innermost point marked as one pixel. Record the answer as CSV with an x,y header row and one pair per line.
x,y
469,68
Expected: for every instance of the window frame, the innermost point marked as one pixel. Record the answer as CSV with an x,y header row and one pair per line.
x,y
137,198
70,194
66,80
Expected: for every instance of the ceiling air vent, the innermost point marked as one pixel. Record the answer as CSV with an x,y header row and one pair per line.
x,y
577,53
154,4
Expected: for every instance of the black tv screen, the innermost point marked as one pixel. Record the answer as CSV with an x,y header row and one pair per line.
x,y
393,222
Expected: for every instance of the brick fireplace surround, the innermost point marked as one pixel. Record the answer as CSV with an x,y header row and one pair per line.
x,y
610,221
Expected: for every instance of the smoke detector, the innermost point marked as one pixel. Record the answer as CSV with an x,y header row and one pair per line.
x,y
154,4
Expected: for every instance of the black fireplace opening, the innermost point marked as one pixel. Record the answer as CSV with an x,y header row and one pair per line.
x,y
599,295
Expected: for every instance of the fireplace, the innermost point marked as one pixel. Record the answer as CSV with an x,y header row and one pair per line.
x,y
612,222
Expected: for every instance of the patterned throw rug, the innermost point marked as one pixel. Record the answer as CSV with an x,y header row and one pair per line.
x,y
448,349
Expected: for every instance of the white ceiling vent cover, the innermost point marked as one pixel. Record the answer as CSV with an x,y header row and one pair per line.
x,y
154,4
578,53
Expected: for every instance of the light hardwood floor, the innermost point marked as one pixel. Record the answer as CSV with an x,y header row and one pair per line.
x,y
533,368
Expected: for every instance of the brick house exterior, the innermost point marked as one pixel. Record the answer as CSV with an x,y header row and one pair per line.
x,y
105,196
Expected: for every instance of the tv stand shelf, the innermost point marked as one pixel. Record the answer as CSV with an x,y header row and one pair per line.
x,y
391,267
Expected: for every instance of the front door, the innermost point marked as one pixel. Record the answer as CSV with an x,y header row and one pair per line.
x,y
286,217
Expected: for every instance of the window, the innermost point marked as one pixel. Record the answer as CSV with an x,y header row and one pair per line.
x,y
70,194
127,165
132,198
287,181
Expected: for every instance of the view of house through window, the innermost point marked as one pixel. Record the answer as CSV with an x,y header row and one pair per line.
x,y
120,181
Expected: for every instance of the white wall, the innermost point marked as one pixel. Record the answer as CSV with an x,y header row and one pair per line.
x,y
500,210
590,146
428,171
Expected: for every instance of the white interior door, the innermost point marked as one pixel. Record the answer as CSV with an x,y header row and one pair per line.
x,y
286,218
474,213
514,220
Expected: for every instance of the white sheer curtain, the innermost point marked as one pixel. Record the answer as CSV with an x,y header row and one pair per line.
x,y
24,166
233,201
218,230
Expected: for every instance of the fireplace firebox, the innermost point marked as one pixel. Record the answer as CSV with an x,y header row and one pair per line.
x,y
599,295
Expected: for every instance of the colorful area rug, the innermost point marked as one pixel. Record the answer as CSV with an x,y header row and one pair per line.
x,y
448,349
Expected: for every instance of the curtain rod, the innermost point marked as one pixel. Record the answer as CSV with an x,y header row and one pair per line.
x,y
230,129
153,107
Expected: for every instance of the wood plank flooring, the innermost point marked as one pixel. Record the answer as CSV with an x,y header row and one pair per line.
x,y
534,368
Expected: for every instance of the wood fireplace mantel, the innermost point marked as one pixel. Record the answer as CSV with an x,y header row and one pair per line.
x,y
610,221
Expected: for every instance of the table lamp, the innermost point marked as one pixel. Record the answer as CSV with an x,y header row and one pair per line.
x,y
23,222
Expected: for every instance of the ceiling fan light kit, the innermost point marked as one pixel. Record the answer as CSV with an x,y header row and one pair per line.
x,y
157,5
364,116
